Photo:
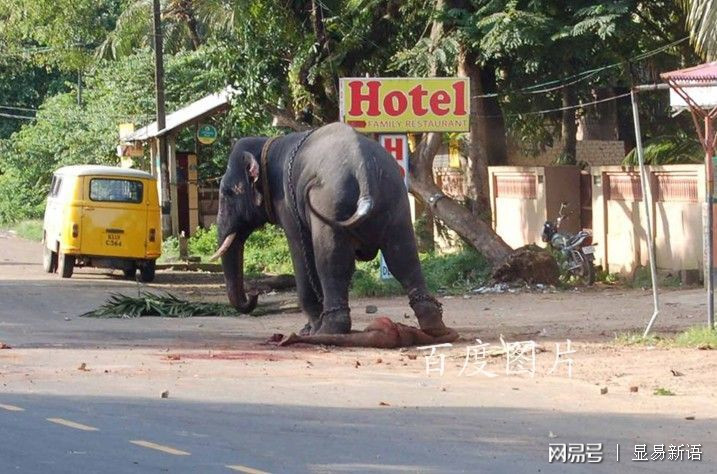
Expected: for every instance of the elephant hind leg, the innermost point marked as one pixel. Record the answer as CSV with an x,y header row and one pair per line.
x,y
401,257
335,264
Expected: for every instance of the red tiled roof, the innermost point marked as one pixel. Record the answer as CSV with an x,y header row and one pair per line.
x,y
704,72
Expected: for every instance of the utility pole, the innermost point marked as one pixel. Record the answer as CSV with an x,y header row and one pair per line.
x,y
162,165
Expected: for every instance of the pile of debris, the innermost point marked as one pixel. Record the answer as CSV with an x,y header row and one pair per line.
x,y
514,287
530,264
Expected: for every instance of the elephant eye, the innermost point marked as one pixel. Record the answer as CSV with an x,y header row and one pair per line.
x,y
227,192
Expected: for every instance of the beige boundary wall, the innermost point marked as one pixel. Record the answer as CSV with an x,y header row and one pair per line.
x,y
619,222
523,197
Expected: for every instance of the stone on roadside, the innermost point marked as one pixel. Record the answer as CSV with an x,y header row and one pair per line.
x,y
603,391
371,309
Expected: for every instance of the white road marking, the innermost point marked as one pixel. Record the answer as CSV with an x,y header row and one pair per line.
x,y
159,447
11,407
245,469
72,424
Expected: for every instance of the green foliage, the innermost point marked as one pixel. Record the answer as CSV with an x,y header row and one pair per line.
x,y
203,242
366,281
637,339
699,337
66,133
280,61
642,278
701,18
267,251
607,277
60,33
663,392
151,304
454,273
170,249
29,229
668,150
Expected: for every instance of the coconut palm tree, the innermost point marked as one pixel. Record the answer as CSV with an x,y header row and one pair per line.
x,y
702,23
185,24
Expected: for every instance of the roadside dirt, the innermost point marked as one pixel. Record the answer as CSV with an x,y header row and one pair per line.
x,y
240,367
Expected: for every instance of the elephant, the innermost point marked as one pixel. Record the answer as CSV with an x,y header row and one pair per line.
x,y
339,197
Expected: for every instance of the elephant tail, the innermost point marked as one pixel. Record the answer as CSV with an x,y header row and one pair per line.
x,y
366,177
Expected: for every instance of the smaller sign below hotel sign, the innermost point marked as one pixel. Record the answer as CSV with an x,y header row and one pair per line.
x,y
381,105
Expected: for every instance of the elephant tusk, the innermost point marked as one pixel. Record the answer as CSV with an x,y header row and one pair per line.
x,y
224,247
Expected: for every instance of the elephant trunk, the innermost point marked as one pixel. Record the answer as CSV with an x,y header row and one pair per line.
x,y
233,266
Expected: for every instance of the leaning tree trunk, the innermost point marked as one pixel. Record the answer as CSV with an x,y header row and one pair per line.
x,y
457,217
421,184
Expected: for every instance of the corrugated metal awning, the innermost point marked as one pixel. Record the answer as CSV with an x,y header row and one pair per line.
x,y
703,73
196,110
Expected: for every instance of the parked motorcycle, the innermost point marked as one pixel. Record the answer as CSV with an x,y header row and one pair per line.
x,y
578,257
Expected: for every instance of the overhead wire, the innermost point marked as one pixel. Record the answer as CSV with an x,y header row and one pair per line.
x,y
18,117
571,80
581,76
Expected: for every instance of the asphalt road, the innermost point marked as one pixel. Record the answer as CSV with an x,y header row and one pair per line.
x,y
46,432
128,436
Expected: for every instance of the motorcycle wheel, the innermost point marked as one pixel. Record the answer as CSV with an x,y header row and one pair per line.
x,y
587,272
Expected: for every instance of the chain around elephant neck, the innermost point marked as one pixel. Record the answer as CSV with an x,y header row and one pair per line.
x,y
264,161
297,219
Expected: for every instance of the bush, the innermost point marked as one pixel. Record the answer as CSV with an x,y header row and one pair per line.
x,y
203,242
30,229
64,133
267,251
453,273
457,272
170,249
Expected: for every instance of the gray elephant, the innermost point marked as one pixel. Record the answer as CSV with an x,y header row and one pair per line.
x,y
338,196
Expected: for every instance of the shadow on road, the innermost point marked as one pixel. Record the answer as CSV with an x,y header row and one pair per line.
x,y
298,439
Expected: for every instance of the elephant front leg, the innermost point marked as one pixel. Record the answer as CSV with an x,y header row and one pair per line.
x,y
308,299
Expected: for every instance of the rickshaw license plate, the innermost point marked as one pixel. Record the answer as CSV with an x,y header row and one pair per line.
x,y
589,250
114,239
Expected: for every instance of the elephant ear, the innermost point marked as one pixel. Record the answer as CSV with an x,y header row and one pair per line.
x,y
252,169
252,166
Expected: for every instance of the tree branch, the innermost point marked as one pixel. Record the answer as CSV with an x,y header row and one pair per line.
x,y
284,118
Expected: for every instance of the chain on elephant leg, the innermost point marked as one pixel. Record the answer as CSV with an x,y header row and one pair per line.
x,y
336,320
428,310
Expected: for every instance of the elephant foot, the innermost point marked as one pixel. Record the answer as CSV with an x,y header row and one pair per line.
x,y
428,311
335,321
306,330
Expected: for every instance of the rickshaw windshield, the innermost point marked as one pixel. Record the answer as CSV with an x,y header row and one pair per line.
x,y
116,190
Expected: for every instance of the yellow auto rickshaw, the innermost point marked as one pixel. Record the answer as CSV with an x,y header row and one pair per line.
x,y
102,216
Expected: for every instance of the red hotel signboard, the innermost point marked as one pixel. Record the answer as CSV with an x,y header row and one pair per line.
x,y
381,105
397,146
